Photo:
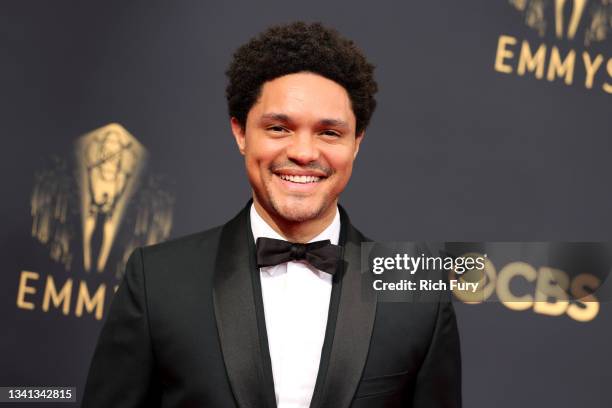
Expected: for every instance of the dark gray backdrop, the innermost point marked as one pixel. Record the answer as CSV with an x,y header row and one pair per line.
x,y
455,151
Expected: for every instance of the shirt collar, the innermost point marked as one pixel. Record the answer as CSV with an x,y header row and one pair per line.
x,y
261,228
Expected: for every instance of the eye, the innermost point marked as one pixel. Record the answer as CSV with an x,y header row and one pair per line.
x,y
276,129
330,132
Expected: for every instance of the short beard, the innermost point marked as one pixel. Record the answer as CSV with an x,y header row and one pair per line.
x,y
297,215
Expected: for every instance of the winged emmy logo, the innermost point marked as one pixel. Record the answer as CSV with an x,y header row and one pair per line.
x,y
599,17
105,184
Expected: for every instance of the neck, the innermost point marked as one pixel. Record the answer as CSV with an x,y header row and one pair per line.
x,y
301,232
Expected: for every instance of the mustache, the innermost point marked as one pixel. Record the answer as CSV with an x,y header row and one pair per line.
x,y
314,166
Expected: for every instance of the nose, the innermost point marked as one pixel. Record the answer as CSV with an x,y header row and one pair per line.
x,y
302,148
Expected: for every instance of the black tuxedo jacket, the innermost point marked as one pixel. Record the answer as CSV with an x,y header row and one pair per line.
x,y
186,328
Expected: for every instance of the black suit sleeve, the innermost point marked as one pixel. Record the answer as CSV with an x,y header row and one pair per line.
x,y
439,380
121,373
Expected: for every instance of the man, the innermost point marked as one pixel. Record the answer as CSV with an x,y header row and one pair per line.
x,y
238,316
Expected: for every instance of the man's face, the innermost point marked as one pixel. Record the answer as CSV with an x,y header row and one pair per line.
x,y
299,145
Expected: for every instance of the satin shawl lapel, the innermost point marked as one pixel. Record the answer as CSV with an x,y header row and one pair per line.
x,y
238,311
353,328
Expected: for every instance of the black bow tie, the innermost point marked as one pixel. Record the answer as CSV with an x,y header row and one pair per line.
x,y
323,255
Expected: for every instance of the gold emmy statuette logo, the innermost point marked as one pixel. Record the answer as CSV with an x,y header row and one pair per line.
x,y
105,195
110,164
590,20
598,28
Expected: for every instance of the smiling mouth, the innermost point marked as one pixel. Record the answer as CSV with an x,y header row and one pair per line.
x,y
300,179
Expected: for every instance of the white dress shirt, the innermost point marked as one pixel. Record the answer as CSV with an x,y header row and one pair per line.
x,y
296,299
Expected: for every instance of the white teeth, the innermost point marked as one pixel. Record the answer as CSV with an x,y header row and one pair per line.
x,y
300,179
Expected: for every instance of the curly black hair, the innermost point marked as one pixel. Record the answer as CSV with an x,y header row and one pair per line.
x,y
300,47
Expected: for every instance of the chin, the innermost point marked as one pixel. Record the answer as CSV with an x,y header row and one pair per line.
x,y
298,210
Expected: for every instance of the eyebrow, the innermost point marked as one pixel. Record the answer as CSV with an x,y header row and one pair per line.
x,y
276,116
334,122
281,117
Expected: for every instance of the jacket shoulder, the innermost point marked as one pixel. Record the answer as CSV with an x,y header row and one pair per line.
x,y
185,249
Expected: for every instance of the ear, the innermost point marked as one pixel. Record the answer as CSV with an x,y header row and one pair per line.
x,y
358,139
239,134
